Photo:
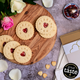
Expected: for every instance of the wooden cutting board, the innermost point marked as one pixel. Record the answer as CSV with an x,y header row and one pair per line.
x,y
40,47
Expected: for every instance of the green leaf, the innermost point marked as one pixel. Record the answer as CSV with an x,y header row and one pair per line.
x,y
3,15
8,2
30,2
3,1
1,6
9,13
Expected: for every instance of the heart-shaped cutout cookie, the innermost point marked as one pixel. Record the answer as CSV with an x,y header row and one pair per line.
x,y
40,73
47,66
44,75
53,63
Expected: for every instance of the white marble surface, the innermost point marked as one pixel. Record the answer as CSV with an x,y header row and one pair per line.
x,y
64,26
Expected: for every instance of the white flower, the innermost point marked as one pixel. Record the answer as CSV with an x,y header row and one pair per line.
x,y
17,5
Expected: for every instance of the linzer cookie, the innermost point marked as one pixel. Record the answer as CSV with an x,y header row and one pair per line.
x,y
50,34
25,30
9,48
22,54
46,27
44,24
3,40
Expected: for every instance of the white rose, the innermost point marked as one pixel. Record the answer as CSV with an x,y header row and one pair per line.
x,y
17,5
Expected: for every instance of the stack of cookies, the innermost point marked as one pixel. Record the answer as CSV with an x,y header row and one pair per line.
x,y
46,27
12,50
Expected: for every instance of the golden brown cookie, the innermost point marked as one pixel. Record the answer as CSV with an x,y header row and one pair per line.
x,y
50,34
47,66
25,30
53,63
40,73
22,54
45,24
9,48
44,75
3,40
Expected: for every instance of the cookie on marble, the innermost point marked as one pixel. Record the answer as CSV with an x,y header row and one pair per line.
x,y
3,40
9,48
53,63
22,54
25,30
40,73
50,34
44,75
45,24
47,66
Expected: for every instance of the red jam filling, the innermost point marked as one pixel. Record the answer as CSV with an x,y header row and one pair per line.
x,y
67,12
4,44
23,54
12,50
45,25
25,30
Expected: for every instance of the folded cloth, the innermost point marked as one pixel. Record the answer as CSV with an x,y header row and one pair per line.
x,y
62,61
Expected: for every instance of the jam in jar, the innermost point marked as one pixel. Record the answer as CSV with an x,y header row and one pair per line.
x,y
67,13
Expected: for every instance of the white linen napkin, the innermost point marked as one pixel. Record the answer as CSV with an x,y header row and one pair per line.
x,y
62,61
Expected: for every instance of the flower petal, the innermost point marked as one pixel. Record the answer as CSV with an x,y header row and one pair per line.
x,y
15,74
3,65
17,5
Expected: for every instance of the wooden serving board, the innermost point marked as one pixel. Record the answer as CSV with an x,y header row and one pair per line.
x,y
40,47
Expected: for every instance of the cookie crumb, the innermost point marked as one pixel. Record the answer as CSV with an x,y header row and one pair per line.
x,y
40,73
44,75
53,63
47,66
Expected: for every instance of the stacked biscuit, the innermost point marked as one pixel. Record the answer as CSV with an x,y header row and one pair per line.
x,y
46,27
13,50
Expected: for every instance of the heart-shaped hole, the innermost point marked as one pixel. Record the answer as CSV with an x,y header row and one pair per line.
x,y
23,54
12,50
25,30
4,44
45,25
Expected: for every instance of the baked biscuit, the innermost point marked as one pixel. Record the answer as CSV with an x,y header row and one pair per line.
x,y
25,30
9,48
50,34
3,40
44,24
22,54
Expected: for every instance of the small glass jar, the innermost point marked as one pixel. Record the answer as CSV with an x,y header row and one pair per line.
x,y
66,12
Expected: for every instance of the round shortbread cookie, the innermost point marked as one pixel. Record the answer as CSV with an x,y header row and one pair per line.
x,y
25,30
50,34
9,48
22,54
45,24
3,40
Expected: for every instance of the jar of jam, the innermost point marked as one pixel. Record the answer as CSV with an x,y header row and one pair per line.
x,y
67,13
